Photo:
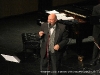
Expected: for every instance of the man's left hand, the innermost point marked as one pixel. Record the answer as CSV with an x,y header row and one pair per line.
x,y
56,47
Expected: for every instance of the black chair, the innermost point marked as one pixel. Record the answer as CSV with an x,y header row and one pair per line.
x,y
31,42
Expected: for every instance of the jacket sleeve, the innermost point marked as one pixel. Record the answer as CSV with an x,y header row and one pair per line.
x,y
64,39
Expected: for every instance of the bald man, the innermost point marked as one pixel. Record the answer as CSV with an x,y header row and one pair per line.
x,y
54,39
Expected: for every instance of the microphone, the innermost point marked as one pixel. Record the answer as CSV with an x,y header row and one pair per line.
x,y
49,25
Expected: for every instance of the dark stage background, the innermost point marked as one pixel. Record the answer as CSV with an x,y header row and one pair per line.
x,y
20,16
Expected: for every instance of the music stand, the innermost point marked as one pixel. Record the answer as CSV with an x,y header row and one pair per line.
x,y
11,59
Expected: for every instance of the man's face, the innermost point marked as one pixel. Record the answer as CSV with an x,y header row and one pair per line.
x,y
52,19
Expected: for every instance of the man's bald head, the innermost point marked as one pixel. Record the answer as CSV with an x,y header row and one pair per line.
x,y
52,18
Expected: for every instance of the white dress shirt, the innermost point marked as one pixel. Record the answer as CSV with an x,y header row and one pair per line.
x,y
52,29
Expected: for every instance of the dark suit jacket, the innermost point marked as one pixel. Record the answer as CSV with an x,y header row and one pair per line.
x,y
61,37
96,28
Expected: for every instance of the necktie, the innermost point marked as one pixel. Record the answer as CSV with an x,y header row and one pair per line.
x,y
47,50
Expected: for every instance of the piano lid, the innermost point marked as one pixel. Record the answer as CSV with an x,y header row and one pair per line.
x,y
83,9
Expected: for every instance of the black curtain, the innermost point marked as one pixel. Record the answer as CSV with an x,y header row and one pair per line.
x,y
44,5
95,2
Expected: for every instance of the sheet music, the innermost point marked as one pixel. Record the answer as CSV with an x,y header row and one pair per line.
x,y
65,18
60,16
53,11
11,58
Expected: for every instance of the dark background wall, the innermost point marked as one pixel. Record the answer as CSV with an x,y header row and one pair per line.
x,y
16,7
64,2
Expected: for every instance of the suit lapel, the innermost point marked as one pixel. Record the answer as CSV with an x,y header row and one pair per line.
x,y
57,33
46,29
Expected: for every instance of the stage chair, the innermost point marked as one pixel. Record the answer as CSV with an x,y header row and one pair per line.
x,y
30,42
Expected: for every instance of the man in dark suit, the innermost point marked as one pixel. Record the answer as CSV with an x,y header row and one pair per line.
x,y
54,38
96,35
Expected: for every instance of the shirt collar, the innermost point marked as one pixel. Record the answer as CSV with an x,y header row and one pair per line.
x,y
54,26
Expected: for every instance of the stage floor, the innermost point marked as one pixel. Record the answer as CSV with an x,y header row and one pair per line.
x,y
11,29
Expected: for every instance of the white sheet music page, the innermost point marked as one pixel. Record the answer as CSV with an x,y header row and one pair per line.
x,y
53,11
62,16
11,58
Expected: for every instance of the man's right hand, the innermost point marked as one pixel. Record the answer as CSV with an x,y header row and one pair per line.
x,y
41,33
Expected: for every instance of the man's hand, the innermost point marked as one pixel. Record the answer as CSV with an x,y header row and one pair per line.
x,y
41,33
56,47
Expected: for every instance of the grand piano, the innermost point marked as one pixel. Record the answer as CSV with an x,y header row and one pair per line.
x,y
81,12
